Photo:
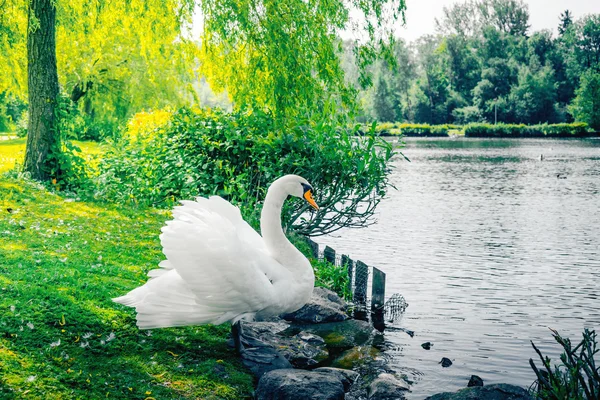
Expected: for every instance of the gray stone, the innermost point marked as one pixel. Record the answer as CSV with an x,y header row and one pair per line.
x,y
356,356
500,391
260,360
294,384
387,387
346,376
339,335
427,345
266,349
324,306
475,381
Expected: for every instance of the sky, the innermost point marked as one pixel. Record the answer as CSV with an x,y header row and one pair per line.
x,y
543,14
421,14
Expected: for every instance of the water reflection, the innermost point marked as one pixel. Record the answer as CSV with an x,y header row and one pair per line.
x,y
490,249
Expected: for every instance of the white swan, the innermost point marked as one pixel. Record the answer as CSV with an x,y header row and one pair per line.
x,y
219,269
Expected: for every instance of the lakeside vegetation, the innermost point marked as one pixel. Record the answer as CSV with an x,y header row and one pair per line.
x,y
61,336
573,130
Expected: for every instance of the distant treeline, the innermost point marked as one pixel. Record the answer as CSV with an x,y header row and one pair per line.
x,y
577,129
485,65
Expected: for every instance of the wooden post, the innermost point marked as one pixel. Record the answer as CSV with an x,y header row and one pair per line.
x,y
314,246
378,299
329,254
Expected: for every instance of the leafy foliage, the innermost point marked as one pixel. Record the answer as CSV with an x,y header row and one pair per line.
x,y
586,105
236,155
577,377
577,129
332,277
283,55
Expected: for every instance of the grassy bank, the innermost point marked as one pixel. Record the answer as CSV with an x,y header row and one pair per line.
x,y
61,336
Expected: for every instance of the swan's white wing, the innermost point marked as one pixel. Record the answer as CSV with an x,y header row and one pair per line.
x,y
217,269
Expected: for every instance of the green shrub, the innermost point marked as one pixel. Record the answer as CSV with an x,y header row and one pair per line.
x,y
576,129
332,277
577,377
237,155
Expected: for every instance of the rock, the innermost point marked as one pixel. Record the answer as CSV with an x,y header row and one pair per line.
x,y
356,356
446,362
387,386
261,360
337,335
427,345
324,306
294,384
346,376
266,347
475,381
500,391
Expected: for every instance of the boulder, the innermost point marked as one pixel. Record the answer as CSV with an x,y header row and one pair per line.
x,y
356,356
346,376
260,360
265,344
500,391
338,335
323,306
295,384
387,387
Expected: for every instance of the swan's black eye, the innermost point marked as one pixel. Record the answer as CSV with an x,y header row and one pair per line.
x,y
306,187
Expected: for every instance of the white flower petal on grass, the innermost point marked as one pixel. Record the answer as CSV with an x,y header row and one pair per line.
x,y
30,325
31,378
87,335
110,337
12,308
55,344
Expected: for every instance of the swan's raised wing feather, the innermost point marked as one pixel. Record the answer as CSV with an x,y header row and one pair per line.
x,y
220,257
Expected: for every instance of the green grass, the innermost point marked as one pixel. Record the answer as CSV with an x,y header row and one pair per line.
x,y
61,336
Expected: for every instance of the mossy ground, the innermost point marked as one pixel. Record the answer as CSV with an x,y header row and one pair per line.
x,y
61,336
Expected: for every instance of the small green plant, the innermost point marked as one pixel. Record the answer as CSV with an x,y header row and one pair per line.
x,y
578,376
332,277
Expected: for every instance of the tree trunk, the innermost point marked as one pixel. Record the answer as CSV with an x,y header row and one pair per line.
x,y
42,79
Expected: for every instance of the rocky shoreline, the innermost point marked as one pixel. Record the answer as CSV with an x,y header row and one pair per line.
x,y
320,353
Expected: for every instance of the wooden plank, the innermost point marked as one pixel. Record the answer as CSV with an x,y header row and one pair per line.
x,y
378,299
329,254
314,247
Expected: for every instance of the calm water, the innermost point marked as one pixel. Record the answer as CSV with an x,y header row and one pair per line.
x,y
490,249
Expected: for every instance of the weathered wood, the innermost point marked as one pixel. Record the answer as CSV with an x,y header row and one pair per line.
x,y
361,278
314,247
329,254
378,299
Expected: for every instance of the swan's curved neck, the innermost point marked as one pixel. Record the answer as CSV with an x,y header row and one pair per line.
x,y
270,225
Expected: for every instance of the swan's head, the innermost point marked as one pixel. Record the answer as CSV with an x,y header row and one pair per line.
x,y
297,186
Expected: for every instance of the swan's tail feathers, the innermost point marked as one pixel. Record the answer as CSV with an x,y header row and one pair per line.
x,y
167,301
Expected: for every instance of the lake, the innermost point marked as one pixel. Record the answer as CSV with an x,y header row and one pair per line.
x,y
490,245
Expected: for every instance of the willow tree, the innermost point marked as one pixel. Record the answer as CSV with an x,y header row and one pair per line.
x,y
284,54
115,57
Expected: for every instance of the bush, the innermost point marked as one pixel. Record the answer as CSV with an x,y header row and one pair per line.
x,y
423,130
237,155
332,277
577,377
577,129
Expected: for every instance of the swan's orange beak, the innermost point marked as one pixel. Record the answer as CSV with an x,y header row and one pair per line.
x,y
308,197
